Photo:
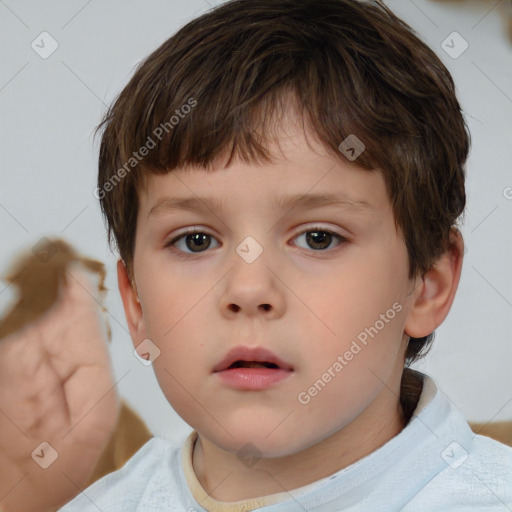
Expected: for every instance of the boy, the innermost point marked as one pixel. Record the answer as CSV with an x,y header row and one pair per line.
x,y
282,179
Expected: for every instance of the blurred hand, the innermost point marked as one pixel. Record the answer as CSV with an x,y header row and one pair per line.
x,y
58,401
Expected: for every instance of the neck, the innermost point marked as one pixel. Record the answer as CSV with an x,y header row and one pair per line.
x,y
219,471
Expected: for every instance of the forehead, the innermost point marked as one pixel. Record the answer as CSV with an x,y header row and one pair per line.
x,y
301,172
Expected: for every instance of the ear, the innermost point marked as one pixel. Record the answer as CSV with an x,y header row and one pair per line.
x,y
434,294
132,305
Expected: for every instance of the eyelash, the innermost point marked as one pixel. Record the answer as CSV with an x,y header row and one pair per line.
x,y
170,243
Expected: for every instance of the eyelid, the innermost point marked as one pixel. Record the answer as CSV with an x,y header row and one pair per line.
x,y
191,230
200,229
318,227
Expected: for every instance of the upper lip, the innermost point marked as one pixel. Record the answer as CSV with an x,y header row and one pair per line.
x,y
255,354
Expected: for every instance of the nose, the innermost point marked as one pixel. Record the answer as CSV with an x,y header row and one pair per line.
x,y
252,289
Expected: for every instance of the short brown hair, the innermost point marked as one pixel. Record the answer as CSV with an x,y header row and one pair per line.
x,y
352,67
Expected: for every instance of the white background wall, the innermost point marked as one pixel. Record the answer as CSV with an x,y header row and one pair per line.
x,y
49,108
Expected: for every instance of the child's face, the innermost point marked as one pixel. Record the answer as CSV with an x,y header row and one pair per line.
x,y
307,298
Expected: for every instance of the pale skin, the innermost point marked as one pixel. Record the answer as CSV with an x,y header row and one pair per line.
x,y
196,308
303,304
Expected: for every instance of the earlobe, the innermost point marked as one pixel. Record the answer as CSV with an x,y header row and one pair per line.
x,y
433,297
131,303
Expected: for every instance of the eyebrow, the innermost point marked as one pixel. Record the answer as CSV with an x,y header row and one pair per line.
x,y
305,201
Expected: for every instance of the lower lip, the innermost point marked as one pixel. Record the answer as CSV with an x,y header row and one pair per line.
x,y
252,379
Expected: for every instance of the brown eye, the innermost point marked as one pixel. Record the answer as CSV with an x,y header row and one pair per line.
x,y
191,242
320,239
197,241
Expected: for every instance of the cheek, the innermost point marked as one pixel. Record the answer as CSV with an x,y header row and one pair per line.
x,y
181,327
353,298
165,301
361,310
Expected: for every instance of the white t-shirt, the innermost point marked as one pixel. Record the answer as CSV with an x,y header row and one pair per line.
x,y
436,463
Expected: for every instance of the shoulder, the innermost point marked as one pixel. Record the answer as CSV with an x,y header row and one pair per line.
x,y
474,475
491,461
157,460
485,473
467,471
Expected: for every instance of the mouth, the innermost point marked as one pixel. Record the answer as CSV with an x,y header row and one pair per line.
x,y
252,369
251,358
